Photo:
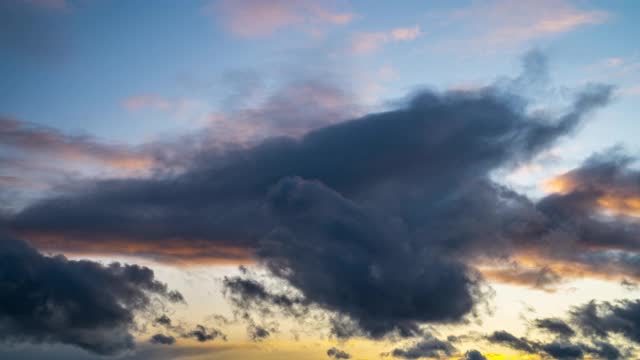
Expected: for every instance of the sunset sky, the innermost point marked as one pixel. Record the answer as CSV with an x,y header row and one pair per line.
x,y
299,179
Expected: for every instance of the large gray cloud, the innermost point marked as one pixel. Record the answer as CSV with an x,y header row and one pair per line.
x,y
82,303
376,219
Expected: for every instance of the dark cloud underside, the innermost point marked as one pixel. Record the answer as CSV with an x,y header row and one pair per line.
x,y
81,303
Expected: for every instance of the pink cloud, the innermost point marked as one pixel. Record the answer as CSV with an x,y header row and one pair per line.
x,y
147,101
37,141
406,33
503,22
259,18
292,110
633,90
365,42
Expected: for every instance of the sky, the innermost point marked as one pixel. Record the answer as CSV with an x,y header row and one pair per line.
x,y
247,179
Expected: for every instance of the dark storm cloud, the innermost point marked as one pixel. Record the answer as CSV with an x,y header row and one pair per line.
x,y
555,326
163,320
162,339
351,261
507,339
198,332
202,334
437,143
338,354
248,294
81,303
605,350
600,320
375,219
144,351
560,348
429,347
473,355
258,333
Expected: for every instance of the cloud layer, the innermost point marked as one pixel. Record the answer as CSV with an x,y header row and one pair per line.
x,y
374,219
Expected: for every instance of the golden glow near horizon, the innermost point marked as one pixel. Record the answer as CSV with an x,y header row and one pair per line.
x,y
510,304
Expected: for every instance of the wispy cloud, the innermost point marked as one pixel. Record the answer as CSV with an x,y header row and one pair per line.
x,y
501,23
260,18
633,90
365,42
143,101
37,158
32,139
292,110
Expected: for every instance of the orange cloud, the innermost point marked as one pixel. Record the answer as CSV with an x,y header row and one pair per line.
x,y
558,185
610,198
620,205
514,273
181,252
35,141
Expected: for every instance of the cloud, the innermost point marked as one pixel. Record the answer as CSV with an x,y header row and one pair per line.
x,y
255,18
599,320
500,23
560,348
291,110
337,353
555,326
81,303
163,320
378,220
606,181
592,221
258,333
505,338
202,334
372,249
144,351
429,347
152,101
366,42
162,339
473,355
37,140
543,277
198,332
